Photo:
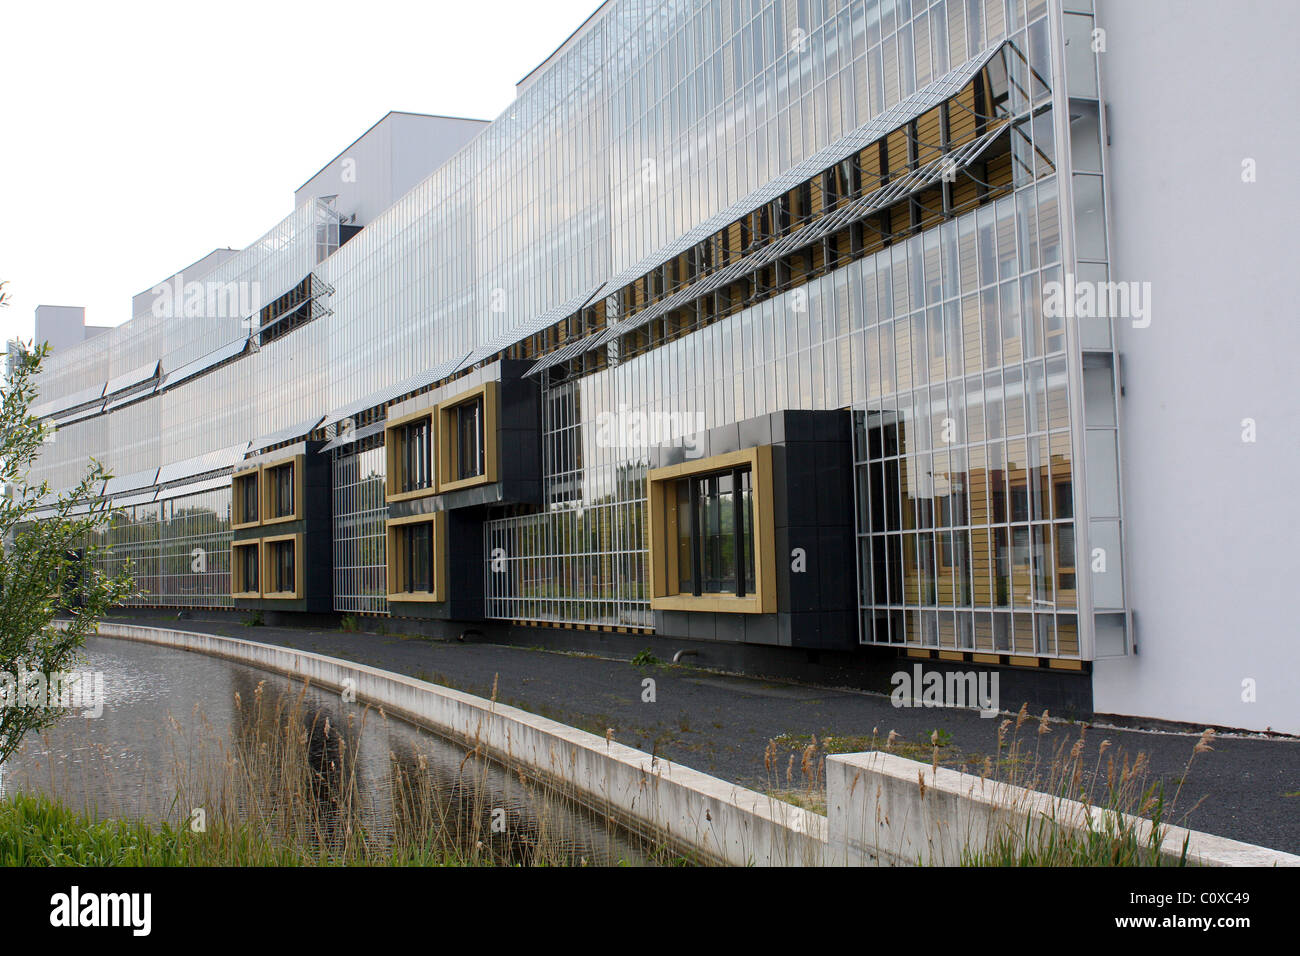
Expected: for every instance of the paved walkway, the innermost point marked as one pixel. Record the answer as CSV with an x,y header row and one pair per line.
x,y
1248,788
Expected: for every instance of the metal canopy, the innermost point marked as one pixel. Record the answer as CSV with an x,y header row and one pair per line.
x,y
305,427
194,488
134,378
903,112
140,479
200,365
60,406
202,464
906,110
80,415
539,322
352,436
914,181
388,393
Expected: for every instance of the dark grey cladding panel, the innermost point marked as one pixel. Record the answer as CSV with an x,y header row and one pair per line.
x,y
812,471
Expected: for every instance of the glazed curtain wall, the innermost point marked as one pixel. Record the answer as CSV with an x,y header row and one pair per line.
x,y
656,117
659,115
360,541
179,550
964,469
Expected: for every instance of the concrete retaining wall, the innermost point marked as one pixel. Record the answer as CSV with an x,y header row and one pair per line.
x,y
885,810
720,821
878,813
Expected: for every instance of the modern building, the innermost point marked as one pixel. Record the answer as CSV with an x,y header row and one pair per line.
x,y
63,326
818,338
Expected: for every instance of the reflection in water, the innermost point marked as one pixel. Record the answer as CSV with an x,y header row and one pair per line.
x,y
183,732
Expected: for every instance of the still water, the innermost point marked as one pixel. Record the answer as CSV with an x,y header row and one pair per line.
x,y
178,729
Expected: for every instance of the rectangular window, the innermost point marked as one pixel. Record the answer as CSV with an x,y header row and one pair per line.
x,y
283,491
419,557
282,557
715,523
416,546
712,530
469,440
280,491
417,458
280,565
244,499
248,495
245,569
409,441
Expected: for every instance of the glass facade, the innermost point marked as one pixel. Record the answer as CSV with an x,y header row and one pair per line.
x,y
924,318
178,549
360,544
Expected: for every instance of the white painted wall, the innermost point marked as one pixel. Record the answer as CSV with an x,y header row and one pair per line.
x,y
63,326
1213,547
386,161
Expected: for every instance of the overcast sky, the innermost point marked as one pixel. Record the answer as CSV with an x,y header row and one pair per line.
x,y
136,137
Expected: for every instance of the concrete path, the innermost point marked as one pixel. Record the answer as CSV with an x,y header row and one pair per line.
x,y
1247,789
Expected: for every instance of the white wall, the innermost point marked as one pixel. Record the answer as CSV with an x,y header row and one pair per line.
x,y
62,326
386,161
1213,548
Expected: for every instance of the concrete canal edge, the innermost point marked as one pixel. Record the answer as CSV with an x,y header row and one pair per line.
x,y
878,813
886,810
720,821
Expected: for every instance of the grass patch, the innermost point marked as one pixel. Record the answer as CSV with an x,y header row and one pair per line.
x,y
38,831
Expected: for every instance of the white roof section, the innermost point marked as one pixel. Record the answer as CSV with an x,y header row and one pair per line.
x,y
564,47
142,302
386,162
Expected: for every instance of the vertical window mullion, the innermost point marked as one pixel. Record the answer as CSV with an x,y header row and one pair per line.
x,y
697,542
738,529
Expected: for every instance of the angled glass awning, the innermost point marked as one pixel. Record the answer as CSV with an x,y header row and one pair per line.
x,y
903,112
134,379
129,398
914,181
201,464
351,436
133,482
387,394
194,488
137,498
80,415
300,430
922,177
200,365
563,354
534,325
69,403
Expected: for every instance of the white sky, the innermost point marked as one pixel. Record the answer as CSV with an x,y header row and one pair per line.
x,y
136,137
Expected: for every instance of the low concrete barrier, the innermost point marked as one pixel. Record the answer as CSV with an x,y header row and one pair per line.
x,y
720,821
885,810
881,809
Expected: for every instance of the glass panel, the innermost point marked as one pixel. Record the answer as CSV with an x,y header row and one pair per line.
x,y
1103,473
1089,220
1080,61
469,432
685,553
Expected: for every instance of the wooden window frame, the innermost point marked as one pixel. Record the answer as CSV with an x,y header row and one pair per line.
x,y
393,445
447,452
665,592
397,558
239,520
268,574
237,570
297,462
